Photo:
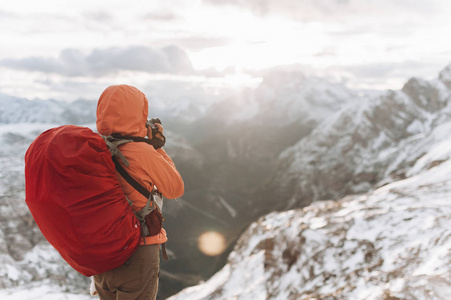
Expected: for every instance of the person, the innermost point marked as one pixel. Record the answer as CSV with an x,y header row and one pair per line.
x,y
123,110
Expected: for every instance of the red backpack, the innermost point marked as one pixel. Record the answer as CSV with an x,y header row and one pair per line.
x,y
76,200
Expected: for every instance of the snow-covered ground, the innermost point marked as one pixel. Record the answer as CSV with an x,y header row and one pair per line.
x,y
392,243
41,291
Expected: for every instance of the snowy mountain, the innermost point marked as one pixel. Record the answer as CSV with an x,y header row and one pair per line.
x,y
391,243
377,140
18,110
291,141
285,97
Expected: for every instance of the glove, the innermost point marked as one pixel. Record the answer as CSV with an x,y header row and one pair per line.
x,y
159,133
159,139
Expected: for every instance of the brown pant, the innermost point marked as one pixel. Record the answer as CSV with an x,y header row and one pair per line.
x,y
136,279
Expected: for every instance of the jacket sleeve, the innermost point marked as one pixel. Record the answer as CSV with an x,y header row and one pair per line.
x,y
166,156
162,173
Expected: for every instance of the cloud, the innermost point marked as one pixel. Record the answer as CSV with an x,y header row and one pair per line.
x,y
98,16
6,14
382,76
331,10
304,9
404,69
72,62
197,43
165,16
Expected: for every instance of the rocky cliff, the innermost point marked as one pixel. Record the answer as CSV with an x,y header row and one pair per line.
x,y
391,243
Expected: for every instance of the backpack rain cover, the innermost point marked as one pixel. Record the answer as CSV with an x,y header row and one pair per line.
x,y
76,199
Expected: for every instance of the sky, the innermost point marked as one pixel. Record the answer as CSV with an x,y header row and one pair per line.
x,y
68,50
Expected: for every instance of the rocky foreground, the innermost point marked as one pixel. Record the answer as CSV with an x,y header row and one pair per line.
x,y
392,243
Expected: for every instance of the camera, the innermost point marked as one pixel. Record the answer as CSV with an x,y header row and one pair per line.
x,y
155,141
151,123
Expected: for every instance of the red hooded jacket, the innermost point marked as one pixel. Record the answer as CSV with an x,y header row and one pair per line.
x,y
123,109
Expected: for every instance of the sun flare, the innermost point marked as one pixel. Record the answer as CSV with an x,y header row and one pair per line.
x,y
211,243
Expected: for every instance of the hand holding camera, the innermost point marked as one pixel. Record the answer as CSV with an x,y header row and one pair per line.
x,y
155,132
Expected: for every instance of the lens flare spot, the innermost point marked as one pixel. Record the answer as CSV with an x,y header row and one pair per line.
x,y
211,243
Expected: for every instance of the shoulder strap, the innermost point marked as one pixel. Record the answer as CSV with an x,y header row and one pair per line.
x,y
143,191
155,142
135,184
151,203
113,145
113,142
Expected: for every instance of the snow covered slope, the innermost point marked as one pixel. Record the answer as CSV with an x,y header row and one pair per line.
x,y
391,243
361,145
19,110
45,290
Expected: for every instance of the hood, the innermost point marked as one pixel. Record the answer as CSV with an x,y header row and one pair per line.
x,y
122,109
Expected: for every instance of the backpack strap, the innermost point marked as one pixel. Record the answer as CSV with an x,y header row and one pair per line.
x,y
113,143
135,184
155,142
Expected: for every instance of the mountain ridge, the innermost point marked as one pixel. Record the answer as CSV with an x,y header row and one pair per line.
x,y
387,244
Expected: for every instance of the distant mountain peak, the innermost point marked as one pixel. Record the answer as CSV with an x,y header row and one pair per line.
x,y
20,110
445,76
